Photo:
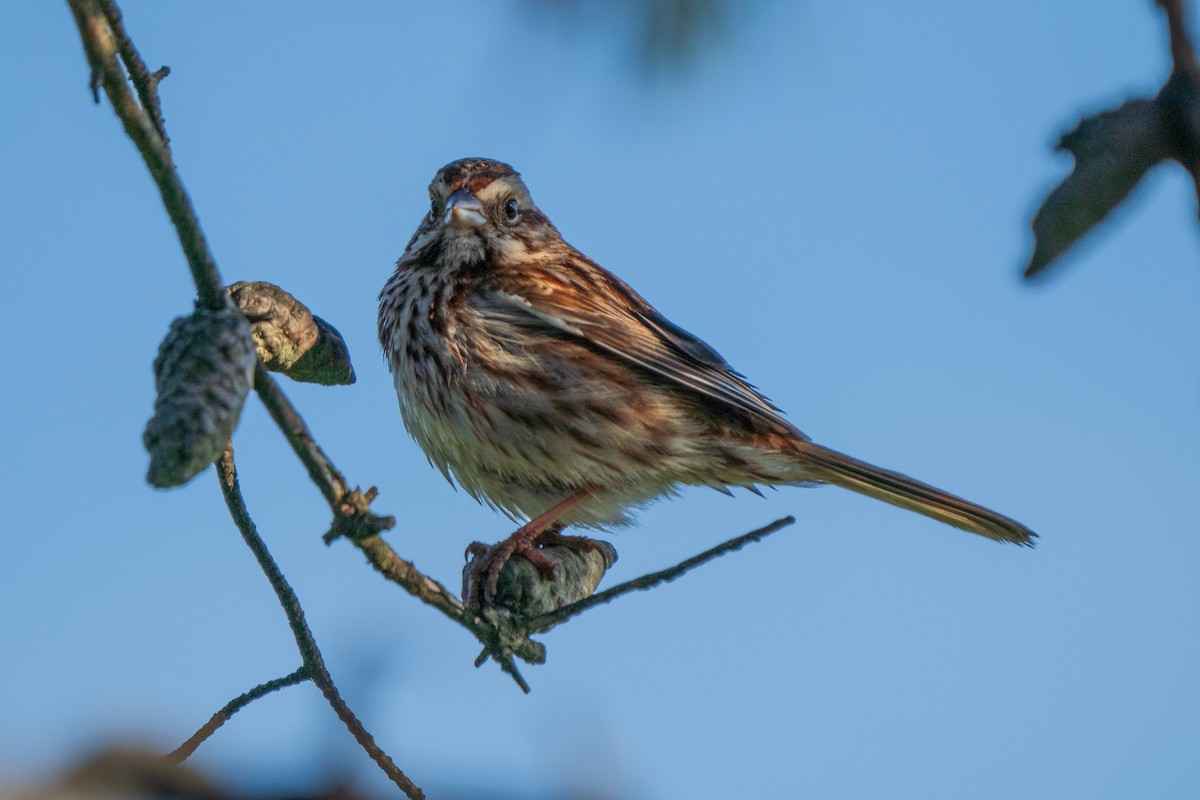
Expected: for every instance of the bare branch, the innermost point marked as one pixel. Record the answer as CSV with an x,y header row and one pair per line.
x,y
235,705
545,622
396,569
144,81
504,634
314,663
351,508
101,48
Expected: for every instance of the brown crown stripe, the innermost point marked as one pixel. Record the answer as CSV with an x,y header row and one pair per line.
x,y
474,173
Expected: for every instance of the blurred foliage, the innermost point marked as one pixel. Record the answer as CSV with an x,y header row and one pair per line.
x,y
1114,149
663,35
131,772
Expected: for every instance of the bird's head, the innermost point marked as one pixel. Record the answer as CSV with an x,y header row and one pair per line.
x,y
479,210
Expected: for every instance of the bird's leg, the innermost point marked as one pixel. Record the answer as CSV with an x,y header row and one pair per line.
x,y
523,542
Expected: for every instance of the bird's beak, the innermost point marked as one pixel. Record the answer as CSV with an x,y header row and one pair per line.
x,y
463,210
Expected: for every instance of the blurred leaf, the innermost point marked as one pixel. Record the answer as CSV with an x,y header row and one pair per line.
x,y
664,33
131,773
1112,150
677,30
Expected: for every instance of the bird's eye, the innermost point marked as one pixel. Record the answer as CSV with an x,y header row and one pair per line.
x,y
434,206
510,210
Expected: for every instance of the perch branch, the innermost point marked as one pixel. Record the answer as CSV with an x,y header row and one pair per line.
x,y
314,663
545,622
388,563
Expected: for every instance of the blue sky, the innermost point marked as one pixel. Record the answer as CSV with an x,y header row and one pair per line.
x,y
837,199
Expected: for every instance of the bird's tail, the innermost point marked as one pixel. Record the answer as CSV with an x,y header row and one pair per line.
x,y
830,466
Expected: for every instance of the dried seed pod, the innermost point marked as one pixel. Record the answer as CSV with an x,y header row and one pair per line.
x,y
289,338
527,592
203,371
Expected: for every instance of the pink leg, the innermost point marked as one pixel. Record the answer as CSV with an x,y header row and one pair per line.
x,y
522,542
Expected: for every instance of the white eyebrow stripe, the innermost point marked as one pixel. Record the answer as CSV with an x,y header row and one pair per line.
x,y
510,184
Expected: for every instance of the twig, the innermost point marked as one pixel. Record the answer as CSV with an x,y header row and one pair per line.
x,y
144,81
101,47
351,508
503,637
181,753
330,482
545,622
396,569
305,643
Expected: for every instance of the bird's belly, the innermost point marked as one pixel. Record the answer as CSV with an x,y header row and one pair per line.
x,y
522,435
523,426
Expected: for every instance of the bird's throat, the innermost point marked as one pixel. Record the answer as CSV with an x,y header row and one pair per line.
x,y
460,250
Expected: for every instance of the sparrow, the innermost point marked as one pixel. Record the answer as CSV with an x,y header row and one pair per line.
x,y
549,389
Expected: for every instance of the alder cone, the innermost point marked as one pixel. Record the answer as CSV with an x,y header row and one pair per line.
x,y
282,326
290,339
203,372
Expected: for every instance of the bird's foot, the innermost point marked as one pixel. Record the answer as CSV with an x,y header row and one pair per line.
x,y
485,573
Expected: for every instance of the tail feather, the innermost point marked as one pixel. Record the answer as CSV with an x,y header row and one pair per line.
x,y
841,470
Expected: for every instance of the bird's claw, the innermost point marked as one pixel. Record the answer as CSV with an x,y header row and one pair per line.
x,y
485,572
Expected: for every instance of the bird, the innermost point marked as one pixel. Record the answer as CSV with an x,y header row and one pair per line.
x,y
550,390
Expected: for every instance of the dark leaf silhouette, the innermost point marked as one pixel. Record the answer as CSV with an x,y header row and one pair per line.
x,y
1112,150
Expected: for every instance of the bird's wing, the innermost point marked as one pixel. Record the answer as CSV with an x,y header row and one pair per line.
x,y
609,315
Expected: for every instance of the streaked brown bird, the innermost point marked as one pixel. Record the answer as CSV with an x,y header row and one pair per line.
x,y
550,390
